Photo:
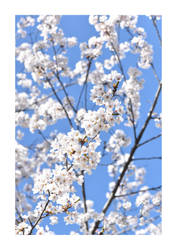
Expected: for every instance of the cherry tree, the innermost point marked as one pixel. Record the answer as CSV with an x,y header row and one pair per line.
x,y
88,117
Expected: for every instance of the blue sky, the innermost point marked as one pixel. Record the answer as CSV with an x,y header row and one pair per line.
x,y
97,184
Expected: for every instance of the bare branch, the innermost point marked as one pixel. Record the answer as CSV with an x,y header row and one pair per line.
x,y
147,158
156,28
43,136
84,85
84,199
67,97
155,73
120,64
133,119
139,191
149,140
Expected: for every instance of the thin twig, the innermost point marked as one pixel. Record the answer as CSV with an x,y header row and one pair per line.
x,y
133,120
67,97
139,191
85,82
149,140
156,28
138,225
43,99
20,217
147,158
85,96
58,99
58,78
84,199
43,136
155,73
120,64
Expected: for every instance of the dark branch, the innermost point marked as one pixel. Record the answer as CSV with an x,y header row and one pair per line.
x,y
133,120
155,73
139,191
58,99
149,140
120,64
156,28
147,158
43,136
84,199
40,217
84,85
58,78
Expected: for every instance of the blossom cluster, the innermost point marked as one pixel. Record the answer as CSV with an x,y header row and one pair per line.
x,y
116,142
130,89
57,183
77,149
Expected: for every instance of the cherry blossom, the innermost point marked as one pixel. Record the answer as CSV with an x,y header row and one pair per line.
x,y
77,116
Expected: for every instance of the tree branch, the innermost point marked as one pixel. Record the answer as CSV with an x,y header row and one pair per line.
x,y
147,158
40,217
120,64
58,77
133,119
149,140
156,28
43,136
66,94
43,99
58,99
139,191
109,201
85,82
155,73
84,199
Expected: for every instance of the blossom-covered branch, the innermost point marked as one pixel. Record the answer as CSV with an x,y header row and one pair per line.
x,y
83,125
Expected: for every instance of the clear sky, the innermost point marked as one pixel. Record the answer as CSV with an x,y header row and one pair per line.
x,y
97,183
